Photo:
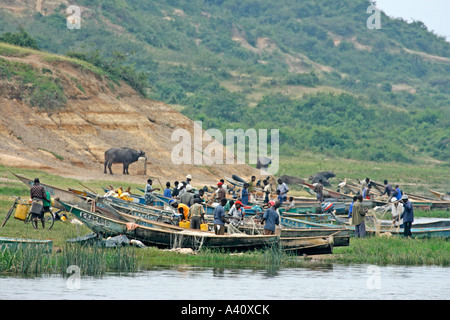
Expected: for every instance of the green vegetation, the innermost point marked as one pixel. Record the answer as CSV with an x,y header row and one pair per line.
x,y
313,70
20,38
395,251
36,86
115,67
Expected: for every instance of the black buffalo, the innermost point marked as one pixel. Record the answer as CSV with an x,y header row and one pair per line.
x,y
122,155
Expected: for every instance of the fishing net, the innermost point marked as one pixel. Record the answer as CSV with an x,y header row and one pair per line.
x,y
196,238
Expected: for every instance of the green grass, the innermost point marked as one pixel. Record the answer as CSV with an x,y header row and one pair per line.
x,y
394,251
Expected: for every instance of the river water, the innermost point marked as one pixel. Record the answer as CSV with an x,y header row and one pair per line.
x,y
336,282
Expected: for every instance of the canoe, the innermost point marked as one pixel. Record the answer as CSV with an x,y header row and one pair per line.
x,y
307,245
141,199
440,195
341,236
166,238
22,244
319,218
330,193
55,192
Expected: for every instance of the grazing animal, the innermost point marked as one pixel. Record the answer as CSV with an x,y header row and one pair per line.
x,y
122,155
263,162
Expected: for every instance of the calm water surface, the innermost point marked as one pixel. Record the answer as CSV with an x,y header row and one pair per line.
x,y
335,283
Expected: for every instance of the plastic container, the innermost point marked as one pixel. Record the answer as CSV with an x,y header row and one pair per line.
x,y
204,227
185,224
21,212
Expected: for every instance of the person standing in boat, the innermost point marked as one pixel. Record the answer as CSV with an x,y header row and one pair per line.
x,y
358,215
148,192
197,214
175,191
244,194
188,197
235,214
221,193
219,218
271,219
251,188
267,191
167,191
283,189
407,216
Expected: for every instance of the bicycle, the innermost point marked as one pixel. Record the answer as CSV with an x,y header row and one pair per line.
x,y
47,219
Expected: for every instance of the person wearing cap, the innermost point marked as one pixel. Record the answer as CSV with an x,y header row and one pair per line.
x,y
407,216
235,214
221,194
271,218
188,179
396,211
188,197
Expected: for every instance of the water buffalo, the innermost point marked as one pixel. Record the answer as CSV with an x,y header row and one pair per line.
x,y
122,155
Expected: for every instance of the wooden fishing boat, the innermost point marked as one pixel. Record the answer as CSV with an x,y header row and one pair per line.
x,y
318,218
440,195
135,198
341,236
56,193
307,245
24,244
329,193
166,238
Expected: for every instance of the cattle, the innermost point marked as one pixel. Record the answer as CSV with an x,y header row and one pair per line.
x,y
263,163
121,155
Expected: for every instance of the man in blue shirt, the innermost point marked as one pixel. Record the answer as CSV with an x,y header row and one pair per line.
x,y
350,210
399,192
167,191
270,219
219,218
407,216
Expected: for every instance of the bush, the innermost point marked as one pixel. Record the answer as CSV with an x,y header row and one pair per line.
x,y
20,38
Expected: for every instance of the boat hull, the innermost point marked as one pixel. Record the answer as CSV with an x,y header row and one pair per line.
x,y
166,238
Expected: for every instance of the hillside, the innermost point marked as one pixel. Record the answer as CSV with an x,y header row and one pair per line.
x,y
81,115
311,69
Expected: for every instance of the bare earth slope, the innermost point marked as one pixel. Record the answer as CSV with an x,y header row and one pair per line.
x,y
99,114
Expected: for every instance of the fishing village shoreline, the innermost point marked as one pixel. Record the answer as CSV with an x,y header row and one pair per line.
x,y
372,250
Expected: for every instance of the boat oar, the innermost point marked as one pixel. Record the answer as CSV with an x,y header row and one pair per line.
x,y
87,188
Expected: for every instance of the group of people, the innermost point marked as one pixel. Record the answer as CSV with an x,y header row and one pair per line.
x,y
189,204
401,208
